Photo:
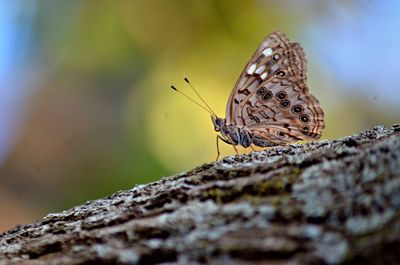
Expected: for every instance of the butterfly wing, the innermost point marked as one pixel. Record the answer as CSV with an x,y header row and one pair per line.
x,y
284,112
251,77
271,98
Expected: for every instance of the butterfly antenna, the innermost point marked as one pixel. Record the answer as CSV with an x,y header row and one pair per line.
x,y
197,93
195,102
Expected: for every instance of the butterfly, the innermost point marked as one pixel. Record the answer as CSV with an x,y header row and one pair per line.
x,y
270,104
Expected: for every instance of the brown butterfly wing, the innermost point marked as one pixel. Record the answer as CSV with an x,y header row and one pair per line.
x,y
271,98
250,80
288,113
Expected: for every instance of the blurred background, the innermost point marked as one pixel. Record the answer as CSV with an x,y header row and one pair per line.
x,y
85,103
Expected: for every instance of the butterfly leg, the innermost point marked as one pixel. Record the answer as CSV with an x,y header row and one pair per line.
x,y
224,140
252,148
237,153
217,148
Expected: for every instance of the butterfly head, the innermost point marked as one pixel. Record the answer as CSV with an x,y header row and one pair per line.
x,y
218,123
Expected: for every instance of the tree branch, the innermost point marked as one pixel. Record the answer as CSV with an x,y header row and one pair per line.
x,y
328,202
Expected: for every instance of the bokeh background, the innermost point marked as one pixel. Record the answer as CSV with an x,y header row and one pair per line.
x,y
85,103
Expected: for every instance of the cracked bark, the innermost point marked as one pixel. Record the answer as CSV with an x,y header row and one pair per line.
x,y
328,202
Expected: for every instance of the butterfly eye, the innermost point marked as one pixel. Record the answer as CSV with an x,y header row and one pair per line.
x,y
261,91
304,118
280,73
267,96
297,109
281,134
276,56
281,95
285,103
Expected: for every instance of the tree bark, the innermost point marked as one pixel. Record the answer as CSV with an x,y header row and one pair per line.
x,y
327,202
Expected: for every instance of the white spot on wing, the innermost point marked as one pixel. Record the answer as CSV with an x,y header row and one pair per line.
x,y
267,52
260,70
264,75
251,69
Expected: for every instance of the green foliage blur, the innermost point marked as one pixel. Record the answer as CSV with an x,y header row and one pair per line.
x,y
99,115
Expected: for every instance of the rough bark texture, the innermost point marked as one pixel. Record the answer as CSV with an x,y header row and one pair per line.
x,y
328,202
